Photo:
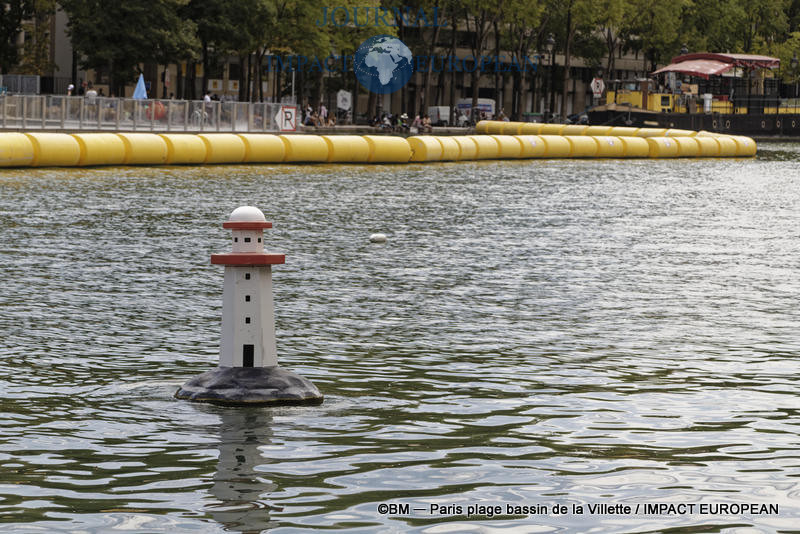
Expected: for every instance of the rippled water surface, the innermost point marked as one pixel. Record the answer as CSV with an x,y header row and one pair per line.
x,y
533,333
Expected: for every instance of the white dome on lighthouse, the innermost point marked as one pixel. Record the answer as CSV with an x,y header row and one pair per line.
x,y
247,214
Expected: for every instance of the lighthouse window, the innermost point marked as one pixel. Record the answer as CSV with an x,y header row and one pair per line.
x,y
259,240
246,239
247,320
247,355
235,239
247,276
247,298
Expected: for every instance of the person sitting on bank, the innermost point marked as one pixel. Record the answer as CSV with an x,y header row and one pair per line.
x,y
426,124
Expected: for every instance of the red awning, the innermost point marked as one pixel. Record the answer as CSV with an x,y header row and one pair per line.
x,y
697,67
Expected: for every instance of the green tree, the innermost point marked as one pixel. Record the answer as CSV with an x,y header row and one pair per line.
x,y
121,35
11,17
36,52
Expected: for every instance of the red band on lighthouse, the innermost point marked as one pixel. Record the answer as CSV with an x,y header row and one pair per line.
x,y
246,225
248,258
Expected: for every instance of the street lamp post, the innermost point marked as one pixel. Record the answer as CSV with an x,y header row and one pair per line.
x,y
794,63
550,45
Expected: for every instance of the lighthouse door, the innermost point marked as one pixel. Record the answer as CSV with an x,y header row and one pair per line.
x,y
247,355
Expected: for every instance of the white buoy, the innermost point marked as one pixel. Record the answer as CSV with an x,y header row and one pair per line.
x,y
248,371
377,238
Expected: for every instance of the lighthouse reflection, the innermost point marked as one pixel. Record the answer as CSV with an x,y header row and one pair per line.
x,y
241,491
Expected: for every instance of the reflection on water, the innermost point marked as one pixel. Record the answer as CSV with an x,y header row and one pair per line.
x,y
551,332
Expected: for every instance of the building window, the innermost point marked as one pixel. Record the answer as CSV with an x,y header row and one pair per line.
x,y
235,239
246,239
248,355
247,320
247,276
259,240
247,298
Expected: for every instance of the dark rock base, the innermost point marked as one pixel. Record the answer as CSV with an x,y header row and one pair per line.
x,y
250,386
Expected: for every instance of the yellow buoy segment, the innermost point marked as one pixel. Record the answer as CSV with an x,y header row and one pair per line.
x,y
674,132
511,128
707,146
582,146
651,132
388,149
468,148
556,146
687,147
144,149
16,150
54,150
623,131
574,129
223,147
550,129
727,147
635,147
425,148
532,146
304,148
609,147
183,149
489,127
486,145
451,150
598,130
347,148
508,146
530,128
744,145
263,148
662,147
100,149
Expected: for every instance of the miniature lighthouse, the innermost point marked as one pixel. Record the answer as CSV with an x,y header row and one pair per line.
x,y
248,371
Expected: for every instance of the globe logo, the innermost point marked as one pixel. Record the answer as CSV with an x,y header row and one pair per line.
x,y
383,64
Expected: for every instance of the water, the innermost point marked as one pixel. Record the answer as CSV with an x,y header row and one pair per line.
x,y
533,333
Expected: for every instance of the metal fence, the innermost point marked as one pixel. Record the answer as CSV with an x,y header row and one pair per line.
x,y
52,112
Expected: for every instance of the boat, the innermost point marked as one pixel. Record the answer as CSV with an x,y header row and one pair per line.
x,y
726,93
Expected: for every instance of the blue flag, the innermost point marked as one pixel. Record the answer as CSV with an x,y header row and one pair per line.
x,y
140,93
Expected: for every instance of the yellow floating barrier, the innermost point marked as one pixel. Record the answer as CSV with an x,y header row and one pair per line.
x,y
183,149
550,129
16,150
556,146
489,127
508,146
674,132
54,150
532,146
531,128
623,131
744,145
100,149
451,150
635,147
609,147
708,146
598,130
487,146
263,148
727,147
304,149
651,132
347,148
425,148
144,149
574,129
224,147
687,147
582,146
662,147
468,148
511,128
388,149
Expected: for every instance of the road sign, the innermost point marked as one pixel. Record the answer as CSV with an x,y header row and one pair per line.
x,y
286,118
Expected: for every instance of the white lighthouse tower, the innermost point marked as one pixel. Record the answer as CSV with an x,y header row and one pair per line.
x,y
248,371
